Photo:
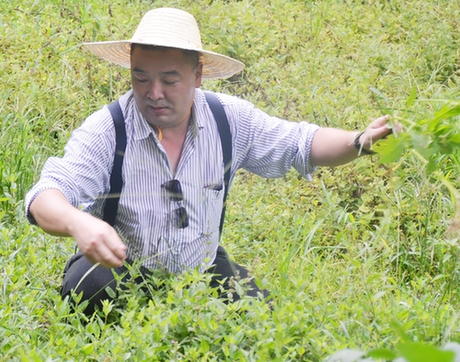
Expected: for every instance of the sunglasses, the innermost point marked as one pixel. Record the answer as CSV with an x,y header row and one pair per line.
x,y
173,192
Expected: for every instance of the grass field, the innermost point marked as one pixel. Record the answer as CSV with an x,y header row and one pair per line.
x,y
363,257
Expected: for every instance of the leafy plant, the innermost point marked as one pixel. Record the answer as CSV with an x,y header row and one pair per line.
x,y
407,352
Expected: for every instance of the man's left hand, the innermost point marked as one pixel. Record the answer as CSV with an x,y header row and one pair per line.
x,y
378,129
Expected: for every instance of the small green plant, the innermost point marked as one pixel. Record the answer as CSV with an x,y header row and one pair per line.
x,y
435,142
406,352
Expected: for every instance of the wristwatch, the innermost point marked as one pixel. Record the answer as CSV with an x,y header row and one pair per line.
x,y
360,147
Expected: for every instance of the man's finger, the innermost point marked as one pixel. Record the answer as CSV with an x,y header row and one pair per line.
x,y
107,258
381,121
116,245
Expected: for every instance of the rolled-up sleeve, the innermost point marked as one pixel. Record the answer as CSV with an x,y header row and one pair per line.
x,y
83,173
302,162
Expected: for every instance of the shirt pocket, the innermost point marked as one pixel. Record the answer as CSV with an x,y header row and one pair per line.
x,y
213,203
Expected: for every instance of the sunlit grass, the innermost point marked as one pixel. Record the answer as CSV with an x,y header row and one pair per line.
x,y
358,258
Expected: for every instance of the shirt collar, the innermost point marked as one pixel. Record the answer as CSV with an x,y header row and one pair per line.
x,y
198,104
141,127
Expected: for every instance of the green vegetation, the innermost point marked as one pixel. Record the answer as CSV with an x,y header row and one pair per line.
x,y
364,257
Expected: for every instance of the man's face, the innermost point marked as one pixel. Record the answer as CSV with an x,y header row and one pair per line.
x,y
164,83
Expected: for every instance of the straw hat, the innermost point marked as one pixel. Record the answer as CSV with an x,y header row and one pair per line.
x,y
171,28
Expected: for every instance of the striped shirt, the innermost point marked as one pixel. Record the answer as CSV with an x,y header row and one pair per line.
x,y
267,146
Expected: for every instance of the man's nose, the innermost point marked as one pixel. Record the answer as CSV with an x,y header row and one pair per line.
x,y
156,91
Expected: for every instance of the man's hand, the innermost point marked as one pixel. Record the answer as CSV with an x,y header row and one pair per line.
x,y
334,147
378,129
96,239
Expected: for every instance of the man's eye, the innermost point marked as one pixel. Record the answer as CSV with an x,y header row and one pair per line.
x,y
170,82
141,80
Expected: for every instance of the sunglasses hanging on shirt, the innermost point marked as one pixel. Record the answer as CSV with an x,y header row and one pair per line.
x,y
173,192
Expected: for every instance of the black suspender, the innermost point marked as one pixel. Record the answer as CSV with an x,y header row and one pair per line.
x,y
111,203
226,140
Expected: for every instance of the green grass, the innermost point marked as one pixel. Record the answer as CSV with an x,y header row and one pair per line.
x,y
358,258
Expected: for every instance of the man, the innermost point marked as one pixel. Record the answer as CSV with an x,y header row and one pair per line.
x,y
173,170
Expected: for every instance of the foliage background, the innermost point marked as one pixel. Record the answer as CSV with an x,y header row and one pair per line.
x,y
358,258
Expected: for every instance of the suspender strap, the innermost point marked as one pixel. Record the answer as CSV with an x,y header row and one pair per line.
x,y
111,202
226,140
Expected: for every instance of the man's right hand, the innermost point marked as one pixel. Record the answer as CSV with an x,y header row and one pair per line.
x,y
96,239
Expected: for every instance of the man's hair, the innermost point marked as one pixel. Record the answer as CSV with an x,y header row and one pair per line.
x,y
193,57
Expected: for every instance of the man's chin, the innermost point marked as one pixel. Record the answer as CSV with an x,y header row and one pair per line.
x,y
158,120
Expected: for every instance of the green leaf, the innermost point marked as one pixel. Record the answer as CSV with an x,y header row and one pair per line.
x,y
421,144
110,292
390,149
418,352
431,166
107,307
455,138
88,348
412,97
204,346
382,353
447,112
378,92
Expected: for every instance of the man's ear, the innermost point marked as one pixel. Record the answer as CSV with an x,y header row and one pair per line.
x,y
198,75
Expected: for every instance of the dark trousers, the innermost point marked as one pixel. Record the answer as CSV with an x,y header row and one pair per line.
x,y
80,275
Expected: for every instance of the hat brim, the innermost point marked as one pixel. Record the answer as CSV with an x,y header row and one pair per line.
x,y
215,66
